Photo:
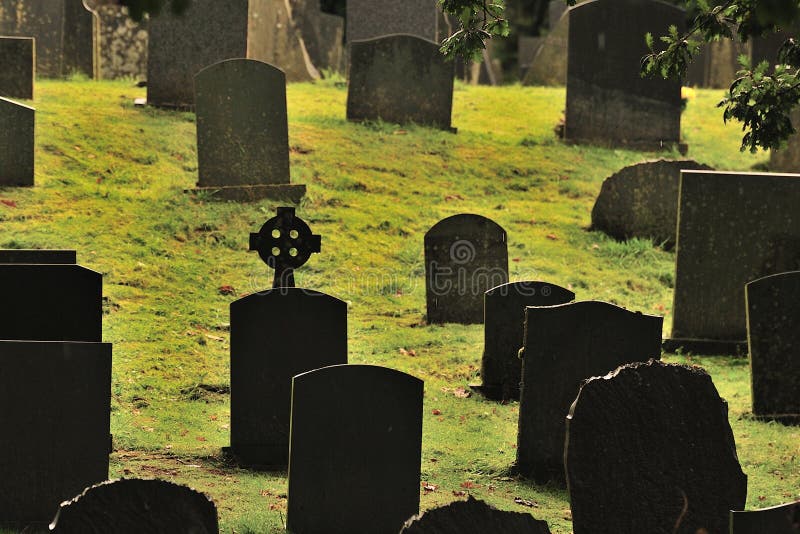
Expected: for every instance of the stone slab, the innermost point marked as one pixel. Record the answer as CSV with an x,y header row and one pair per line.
x,y
58,257
16,144
783,519
472,515
369,19
17,57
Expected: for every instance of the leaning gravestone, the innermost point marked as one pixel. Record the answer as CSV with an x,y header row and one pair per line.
x,y
368,19
783,519
504,321
732,228
18,69
465,256
400,79
57,257
608,101
135,505
661,433
473,516
549,63
565,345
55,415
641,200
355,452
773,312
16,144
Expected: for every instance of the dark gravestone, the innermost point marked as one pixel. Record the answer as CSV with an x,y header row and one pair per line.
x,y
465,256
276,335
400,79
783,519
57,257
134,505
565,345
16,144
773,313
608,101
368,19
17,68
55,414
504,325
660,435
51,303
642,201
732,228
473,517
355,451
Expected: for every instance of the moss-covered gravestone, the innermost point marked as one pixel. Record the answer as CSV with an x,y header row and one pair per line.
x,y
368,19
58,257
16,144
783,519
17,68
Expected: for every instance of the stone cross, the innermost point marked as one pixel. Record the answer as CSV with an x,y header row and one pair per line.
x,y
285,242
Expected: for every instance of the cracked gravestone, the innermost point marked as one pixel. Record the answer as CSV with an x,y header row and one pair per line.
x,y
17,58
16,144
782,519
473,517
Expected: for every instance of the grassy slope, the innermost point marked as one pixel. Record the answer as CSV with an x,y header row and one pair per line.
x,y
109,183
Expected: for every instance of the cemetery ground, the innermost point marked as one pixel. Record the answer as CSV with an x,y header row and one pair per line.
x,y
109,183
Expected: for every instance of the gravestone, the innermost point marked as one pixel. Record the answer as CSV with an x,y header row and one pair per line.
x,y
527,47
55,414
57,257
565,345
465,256
16,144
323,34
18,70
243,132
716,65
660,433
473,516
783,519
356,446
504,322
732,228
548,67
773,312
400,79
275,335
608,101
641,201
123,43
369,19
135,505
787,158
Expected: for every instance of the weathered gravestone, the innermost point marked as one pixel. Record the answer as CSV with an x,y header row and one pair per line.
x,y
608,101
465,256
658,434
17,67
473,517
55,414
773,313
276,335
123,43
641,200
732,228
57,257
783,519
16,144
548,66
565,345
400,79
504,322
323,34
135,505
356,444
243,132
369,19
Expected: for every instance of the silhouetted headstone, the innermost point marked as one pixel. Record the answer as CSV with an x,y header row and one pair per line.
x,y
565,345
368,19
355,451
504,325
17,69
465,256
473,517
16,144
659,434
57,257
135,505
783,519
400,79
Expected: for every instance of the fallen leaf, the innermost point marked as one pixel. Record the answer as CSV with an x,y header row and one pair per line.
x,y
515,260
9,203
470,485
525,502
408,352
201,438
453,197
437,412
552,237
429,488
462,393
226,290
459,493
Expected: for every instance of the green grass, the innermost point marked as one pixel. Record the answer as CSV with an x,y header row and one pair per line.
x,y
110,181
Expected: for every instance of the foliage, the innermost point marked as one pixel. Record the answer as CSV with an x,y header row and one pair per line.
x,y
480,20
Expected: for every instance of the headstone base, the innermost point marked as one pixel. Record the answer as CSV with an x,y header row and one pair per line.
x,y
250,193
705,346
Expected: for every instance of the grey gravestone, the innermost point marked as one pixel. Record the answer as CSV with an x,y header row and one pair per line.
x,y
732,228
400,79
276,335
773,312
660,434
135,505
465,256
16,144
473,517
123,44
565,345
783,519
58,257
504,324
18,70
242,130
356,447
51,303
55,413
642,201
549,63
369,19
608,101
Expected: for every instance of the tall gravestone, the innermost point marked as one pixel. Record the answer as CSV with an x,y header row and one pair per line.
x,y
355,453
732,228
465,256
773,312
368,19
783,519
400,79
17,71
16,143
565,345
608,101
472,515
649,449
504,325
